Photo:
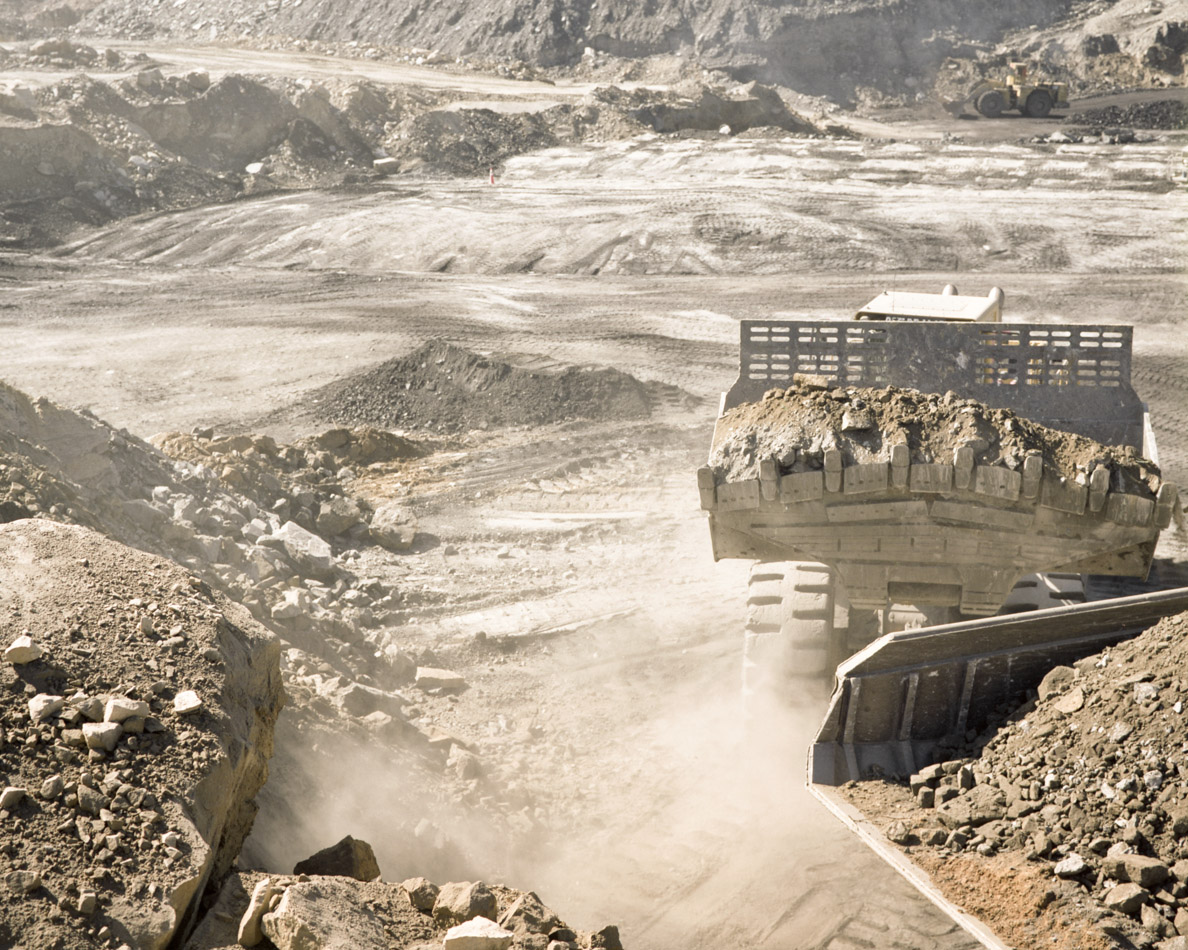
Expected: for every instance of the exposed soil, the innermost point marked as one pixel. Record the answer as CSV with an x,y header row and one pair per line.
x,y
128,825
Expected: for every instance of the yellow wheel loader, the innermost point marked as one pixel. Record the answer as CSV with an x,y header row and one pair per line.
x,y
940,508
993,97
926,464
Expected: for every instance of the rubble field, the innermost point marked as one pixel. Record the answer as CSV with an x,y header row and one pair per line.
x,y
1083,790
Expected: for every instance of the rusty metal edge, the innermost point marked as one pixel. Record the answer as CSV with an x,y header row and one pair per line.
x,y
874,839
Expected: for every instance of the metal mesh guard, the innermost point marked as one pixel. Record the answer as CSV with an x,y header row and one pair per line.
x,y
1074,378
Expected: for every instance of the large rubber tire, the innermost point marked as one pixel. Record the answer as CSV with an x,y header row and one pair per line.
x,y
1039,104
789,639
990,104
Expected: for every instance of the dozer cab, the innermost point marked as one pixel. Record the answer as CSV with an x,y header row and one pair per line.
x,y
1017,91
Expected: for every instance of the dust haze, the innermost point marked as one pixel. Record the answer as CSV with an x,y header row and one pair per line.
x,y
217,219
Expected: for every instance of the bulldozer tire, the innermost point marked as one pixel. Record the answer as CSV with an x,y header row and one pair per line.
x,y
789,633
990,104
1039,104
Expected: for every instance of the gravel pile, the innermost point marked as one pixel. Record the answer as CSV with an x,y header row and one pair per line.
x,y
796,426
1088,780
448,388
1169,114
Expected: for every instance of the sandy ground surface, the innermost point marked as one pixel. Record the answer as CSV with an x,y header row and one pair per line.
x,y
663,817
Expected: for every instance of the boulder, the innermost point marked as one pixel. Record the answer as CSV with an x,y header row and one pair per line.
x,y
360,700
478,934
393,527
529,915
461,901
119,708
1056,681
250,930
1147,873
1125,898
43,706
323,914
422,893
22,650
350,857
102,736
429,677
305,547
337,516
980,804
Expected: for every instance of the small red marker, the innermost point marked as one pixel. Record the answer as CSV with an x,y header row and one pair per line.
x,y
491,172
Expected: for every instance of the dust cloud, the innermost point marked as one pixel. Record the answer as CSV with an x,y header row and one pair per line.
x,y
649,799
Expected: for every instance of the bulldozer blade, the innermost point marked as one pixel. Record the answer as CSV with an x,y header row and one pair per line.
x,y
899,699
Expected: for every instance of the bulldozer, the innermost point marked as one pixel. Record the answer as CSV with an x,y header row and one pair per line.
x,y
1017,91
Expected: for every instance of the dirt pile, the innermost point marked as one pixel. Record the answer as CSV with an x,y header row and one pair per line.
x,y
1088,781
445,387
287,556
339,911
1167,114
798,425
137,727
747,107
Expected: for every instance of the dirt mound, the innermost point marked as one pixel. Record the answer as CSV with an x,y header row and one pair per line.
x,y
127,800
796,426
338,911
1168,114
446,387
1086,781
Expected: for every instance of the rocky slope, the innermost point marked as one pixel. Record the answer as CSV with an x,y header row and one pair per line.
x,y
137,714
1087,782
827,47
